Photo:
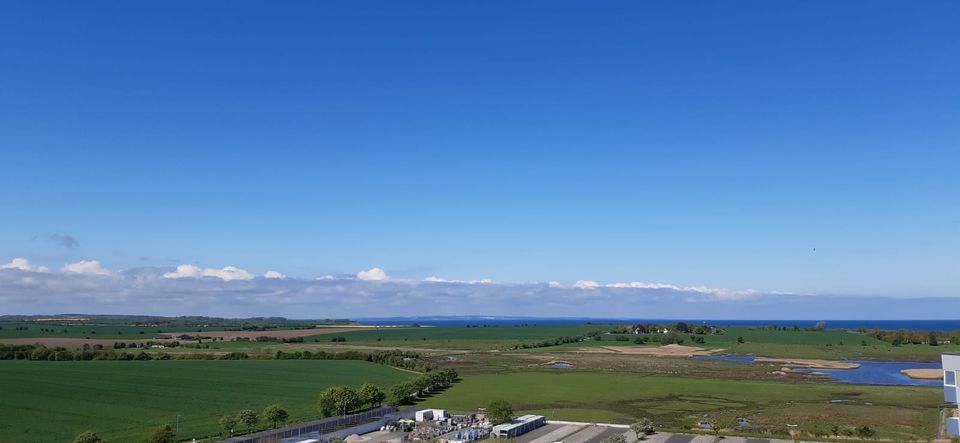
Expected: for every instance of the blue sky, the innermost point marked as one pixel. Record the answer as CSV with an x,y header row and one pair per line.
x,y
692,144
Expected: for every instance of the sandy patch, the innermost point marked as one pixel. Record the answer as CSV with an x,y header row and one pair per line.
x,y
668,350
809,363
923,374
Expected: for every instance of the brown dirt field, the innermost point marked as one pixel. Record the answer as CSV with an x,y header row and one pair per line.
x,y
809,363
667,350
923,374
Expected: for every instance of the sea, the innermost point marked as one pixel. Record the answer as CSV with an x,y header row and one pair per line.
x,y
914,325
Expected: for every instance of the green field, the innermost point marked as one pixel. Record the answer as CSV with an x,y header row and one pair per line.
x,y
678,402
54,401
827,344
129,332
460,337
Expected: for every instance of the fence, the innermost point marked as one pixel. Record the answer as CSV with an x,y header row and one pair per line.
x,y
328,425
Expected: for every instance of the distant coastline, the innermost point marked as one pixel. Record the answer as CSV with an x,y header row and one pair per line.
x,y
914,325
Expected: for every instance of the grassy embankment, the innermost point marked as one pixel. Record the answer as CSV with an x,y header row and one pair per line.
x,y
121,401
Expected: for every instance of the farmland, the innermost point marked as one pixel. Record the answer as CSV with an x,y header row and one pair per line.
x,y
608,381
53,401
461,337
678,402
825,344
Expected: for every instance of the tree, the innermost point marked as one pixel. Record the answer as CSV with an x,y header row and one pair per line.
x,y
499,411
275,414
933,339
371,395
338,400
163,434
422,384
671,338
248,418
740,340
401,392
88,437
643,428
865,431
228,423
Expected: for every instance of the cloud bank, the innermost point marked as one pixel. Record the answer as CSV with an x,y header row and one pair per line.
x,y
89,287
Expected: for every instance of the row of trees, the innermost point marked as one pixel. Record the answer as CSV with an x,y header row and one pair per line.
x,y
436,380
342,400
557,341
395,358
680,327
43,353
248,418
161,434
903,336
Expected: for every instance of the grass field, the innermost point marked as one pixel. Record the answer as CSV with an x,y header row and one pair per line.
x,y
460,337
678,402
828,344
123,332
54,401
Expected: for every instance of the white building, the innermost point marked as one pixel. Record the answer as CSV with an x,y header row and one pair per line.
x,y
951,367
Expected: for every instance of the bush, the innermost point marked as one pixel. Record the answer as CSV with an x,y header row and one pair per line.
x,y
617,438
499,411
88,437
163,434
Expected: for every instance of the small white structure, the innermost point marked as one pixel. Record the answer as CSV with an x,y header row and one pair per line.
x,y
430,414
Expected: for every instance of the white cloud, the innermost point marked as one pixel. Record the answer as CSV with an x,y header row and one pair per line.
x,y
190,290
373,274
434,279
92,267
274,274
586,284
227,273
641,285
24,265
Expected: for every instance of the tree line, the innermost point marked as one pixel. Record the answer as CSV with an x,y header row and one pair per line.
x,y
399,359
903,337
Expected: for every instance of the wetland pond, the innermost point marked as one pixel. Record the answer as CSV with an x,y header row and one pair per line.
x,y
869,372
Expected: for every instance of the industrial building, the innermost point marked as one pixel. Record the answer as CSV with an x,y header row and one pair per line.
x,y
519,426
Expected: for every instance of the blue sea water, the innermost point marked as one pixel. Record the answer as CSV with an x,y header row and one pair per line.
x,y
916,325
